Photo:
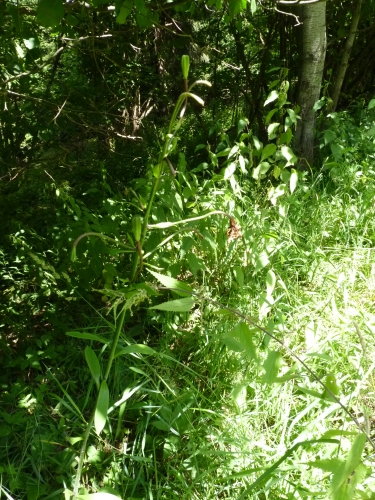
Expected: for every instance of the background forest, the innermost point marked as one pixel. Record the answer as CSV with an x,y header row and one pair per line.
x,y
187,275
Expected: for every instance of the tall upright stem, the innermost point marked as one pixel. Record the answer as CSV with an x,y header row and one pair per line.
x,y
120,323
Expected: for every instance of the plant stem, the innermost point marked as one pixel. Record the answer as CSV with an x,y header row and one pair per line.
x,y
120,323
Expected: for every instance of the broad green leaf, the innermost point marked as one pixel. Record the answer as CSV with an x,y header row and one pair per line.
x,y
288,154
88,336
272,129
242,164
261,169
253,6
179,305
242,123
269,150
236,6
125,10
292,115
275,193
136,349
31,43
293,181
343,476
258,145
270,115
319,104
101,410
370,132
195,263
223,152
239,394
272,97
329,136
238,274
286,136
232,344
229,171
271,281
328,465
271,366
93,364
173,284
50,12
371,104
245,336
74,440
233,151
261,261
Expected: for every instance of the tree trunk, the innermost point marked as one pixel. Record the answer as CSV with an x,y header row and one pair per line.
x,y
313,51
346,54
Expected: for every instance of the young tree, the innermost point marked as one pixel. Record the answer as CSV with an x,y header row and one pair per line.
x,y
346,54
313,49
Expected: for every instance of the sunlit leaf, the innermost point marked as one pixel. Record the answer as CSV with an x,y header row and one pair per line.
x,y
101,410
238,395
136,349
87,336
271,281
261,261
229,171
272,129
242,123
93,364
238,274
272,97
271,366
288,154
173,284
269,150
232,344
293,180
179,305
245,335
343,476
253,6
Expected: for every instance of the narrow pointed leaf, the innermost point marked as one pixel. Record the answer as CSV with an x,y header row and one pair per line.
x,y
87,336
136,349
94,364
179,305
173,284
271,366
101,407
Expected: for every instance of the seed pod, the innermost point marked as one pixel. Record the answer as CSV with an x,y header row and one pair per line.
x,y
137,227
185,64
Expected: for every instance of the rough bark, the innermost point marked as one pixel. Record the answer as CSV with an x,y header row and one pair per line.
x,y
346,54
313,50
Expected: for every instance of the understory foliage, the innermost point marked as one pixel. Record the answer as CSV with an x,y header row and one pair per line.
x,y
184,312
189,396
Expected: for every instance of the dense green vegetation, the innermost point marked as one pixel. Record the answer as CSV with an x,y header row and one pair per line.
x,y
187,271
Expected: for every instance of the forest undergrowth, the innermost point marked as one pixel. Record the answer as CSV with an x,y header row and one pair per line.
x,y
161,381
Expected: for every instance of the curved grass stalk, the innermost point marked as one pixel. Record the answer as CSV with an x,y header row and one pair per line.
x,y
164,225
127,248
184,229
